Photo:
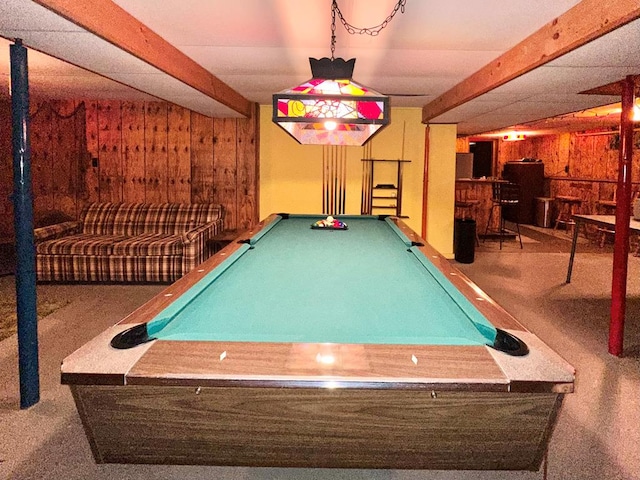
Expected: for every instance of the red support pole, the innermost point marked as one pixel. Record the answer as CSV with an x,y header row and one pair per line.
x,y
425,184
623,214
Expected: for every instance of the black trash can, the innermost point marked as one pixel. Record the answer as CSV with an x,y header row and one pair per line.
x,y
464,240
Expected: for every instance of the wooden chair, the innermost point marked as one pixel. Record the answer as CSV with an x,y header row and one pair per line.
x,y
606,207
567,206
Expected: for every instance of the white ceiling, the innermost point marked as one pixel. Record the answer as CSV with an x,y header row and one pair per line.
x,y
259,47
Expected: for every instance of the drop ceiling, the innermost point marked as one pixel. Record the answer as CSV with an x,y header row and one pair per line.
x,y
259,47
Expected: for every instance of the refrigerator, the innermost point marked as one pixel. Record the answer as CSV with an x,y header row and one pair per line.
x,y
464,165
529,174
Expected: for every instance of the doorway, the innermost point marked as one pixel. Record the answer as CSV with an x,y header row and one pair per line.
x,y
482,158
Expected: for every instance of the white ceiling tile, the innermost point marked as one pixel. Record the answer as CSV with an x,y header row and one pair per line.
x,y
565,79
87,50
468,110
572,98
172,90
617,49
26,16
259,47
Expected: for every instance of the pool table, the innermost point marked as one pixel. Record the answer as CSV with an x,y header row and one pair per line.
x,y
359,347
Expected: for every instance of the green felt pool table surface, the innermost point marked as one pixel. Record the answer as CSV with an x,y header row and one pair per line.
x,y
366,284
294,347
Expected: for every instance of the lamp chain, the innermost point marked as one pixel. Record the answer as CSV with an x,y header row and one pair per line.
x,y
373,31
334,7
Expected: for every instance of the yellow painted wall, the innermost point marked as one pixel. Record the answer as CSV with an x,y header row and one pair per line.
x,y
441,194
291,174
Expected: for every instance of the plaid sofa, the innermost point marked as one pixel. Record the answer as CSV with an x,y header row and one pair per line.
x,y
127,242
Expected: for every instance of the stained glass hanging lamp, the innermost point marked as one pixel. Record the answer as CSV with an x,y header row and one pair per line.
x,y
331,108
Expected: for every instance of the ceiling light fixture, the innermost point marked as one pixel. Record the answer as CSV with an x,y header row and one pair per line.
x,y
331,108
514,137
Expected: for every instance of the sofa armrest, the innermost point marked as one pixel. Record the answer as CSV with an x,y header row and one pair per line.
x,y
196,249
58,230
204,231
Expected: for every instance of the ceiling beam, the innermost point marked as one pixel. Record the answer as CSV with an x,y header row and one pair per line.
x,y
615,88
579,25
113,24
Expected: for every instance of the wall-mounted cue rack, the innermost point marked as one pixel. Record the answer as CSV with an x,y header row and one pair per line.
x,y
381,190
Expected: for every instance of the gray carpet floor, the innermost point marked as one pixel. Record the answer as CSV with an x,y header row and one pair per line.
x,y
598,432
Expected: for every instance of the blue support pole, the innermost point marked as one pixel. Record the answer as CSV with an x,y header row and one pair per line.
x,y
23,221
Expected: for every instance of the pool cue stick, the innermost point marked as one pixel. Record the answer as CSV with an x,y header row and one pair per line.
x,y
328,180
341,193
404,126
339,178
323,178
371,172
336,179
327,174
366,179
369,192
332,197
344,179
363,190
369,187
399,189
338,199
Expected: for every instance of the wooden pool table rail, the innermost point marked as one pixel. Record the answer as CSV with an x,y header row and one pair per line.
x,y
498,316
450,368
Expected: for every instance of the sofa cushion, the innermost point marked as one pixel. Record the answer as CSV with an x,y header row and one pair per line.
x,y
190,216
112,218
97,217
149,244
80,244
157,218
132,219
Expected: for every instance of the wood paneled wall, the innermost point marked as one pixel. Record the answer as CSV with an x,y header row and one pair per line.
x,y
88,150
577,164
58,157
58,160
462,145
582,155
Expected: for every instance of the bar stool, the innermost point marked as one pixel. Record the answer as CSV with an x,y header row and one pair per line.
x,y
566,208
466,206
506,197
